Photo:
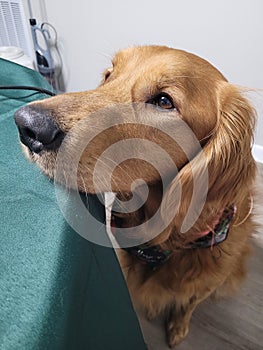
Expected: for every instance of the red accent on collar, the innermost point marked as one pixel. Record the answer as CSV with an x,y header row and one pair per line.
x,y
154,256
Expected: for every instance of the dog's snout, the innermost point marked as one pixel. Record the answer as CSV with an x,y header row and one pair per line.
x,y
38,130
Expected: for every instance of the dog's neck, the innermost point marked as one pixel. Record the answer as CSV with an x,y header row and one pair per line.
x,y
154,255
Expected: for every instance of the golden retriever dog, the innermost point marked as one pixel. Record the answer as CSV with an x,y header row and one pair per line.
x,y
149,93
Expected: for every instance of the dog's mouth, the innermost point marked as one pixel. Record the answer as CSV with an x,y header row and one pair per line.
x,y
120,222
127,220
127,211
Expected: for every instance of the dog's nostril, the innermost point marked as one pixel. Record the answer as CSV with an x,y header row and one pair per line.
x,y
38,131
30,133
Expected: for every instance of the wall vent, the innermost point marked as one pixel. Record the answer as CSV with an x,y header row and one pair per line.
x,y
14,25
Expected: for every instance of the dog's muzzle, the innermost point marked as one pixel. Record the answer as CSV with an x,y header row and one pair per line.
x,y
38,130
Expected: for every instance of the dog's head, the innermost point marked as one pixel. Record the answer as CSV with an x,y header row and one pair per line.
x,y
156,94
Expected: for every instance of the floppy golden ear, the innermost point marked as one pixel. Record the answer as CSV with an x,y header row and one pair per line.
x,y
222,173
230,162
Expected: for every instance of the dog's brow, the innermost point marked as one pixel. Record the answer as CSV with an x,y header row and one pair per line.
x,y
117,59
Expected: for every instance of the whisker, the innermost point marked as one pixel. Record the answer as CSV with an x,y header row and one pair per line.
x,y
84,185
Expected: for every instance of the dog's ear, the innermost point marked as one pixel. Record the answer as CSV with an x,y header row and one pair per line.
x,y
229,159
224,170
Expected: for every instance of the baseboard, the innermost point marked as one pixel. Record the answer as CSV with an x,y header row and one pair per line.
x,y
257,151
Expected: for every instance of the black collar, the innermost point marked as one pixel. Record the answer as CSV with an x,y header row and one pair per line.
x,y
155,256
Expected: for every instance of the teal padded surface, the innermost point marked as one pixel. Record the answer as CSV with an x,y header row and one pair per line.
x,y
57,290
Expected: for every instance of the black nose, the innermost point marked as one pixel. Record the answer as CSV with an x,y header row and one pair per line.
x,y
37,129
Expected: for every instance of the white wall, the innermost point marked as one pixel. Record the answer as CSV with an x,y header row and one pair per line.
x,y
228,33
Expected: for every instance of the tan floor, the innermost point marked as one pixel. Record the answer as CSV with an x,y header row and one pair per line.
x,y
232,324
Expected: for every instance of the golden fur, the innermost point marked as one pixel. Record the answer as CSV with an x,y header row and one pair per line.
x,y
222,120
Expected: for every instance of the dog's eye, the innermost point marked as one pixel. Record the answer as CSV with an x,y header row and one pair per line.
x,y
107,73
163,101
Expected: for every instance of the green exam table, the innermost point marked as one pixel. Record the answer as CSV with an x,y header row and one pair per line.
x,y
57,290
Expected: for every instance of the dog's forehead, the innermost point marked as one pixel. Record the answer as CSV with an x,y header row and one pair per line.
x,y
162,59
146,55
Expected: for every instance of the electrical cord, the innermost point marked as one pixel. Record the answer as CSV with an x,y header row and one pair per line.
x,y
55,45
50,36
32,88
